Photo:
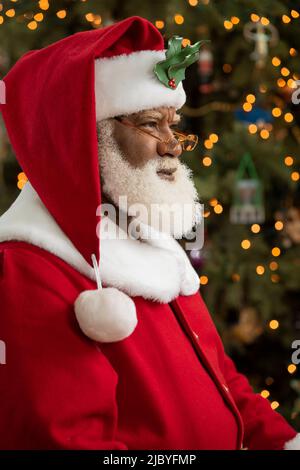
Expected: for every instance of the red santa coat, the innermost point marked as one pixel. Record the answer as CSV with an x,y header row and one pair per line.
x,y
167,386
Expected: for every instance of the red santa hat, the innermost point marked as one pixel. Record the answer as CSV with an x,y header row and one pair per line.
x,y
54,97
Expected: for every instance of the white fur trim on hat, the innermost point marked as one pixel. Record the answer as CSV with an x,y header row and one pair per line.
x,y
293,444
126,84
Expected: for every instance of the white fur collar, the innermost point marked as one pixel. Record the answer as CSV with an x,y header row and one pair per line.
x,y
154,269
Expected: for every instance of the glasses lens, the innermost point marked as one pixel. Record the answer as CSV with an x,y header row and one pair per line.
x,y
190,142
187,141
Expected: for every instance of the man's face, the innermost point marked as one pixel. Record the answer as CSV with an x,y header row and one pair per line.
x,y
146,171
138,148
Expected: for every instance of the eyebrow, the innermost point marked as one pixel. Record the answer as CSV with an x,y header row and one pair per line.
x,y
158,115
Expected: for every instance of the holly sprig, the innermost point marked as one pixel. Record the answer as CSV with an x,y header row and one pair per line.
x,y
171,71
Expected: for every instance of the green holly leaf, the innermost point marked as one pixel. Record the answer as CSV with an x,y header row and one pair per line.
x,y
178,58
174,46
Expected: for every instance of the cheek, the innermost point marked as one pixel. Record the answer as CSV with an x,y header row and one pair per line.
x,y
137,149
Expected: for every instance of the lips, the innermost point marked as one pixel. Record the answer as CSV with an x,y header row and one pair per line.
x,y
167,173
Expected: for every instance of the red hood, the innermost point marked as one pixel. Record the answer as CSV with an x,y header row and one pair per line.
x,y
50,117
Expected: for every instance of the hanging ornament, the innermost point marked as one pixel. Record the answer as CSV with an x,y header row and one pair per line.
x,y
292,225
249,326
197,258
263,36
257,115
205,71
247,206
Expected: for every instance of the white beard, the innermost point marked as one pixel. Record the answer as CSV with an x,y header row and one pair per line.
x,y
167,206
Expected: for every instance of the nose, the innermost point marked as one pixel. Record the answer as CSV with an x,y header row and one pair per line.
x,y
172,148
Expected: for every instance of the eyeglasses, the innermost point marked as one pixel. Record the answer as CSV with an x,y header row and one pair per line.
x,y
188,142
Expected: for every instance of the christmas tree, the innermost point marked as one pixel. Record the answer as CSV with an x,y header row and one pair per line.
x,y
242,102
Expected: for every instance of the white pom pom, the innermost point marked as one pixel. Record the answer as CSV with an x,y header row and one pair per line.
x,y
105,315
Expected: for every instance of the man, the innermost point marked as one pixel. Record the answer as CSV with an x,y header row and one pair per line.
x,y
136,363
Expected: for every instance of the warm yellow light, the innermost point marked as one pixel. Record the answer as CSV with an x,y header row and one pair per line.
x,y
21,184
264,134
281,83
213,138
252,128
208,144
10,13
206,214
273,265
286,19
264,21
247,107
245,244
178,19
295,176
228,24
39,17
97,20
255,17
295,14
260,270
293,51
32,25
218,209
288,160
22,176
274,405
61,14
255,228
274,324
207,161
276,251
276,112
203,280
1,19
291,368
227,68
285,71
235,277
213,202
291,83
89,17
276,61
250,98
186,42
278,225
44,4
234,20
159,24
265,393
288,117
193,3
275,278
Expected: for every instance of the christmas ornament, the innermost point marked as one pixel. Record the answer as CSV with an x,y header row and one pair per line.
x,y
247,206
205,71
292,224
263,36
249,326
257,115
197,258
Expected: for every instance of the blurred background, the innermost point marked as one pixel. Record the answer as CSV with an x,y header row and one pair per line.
x,y
246,166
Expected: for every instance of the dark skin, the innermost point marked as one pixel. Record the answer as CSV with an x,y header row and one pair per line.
x,y
139,148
